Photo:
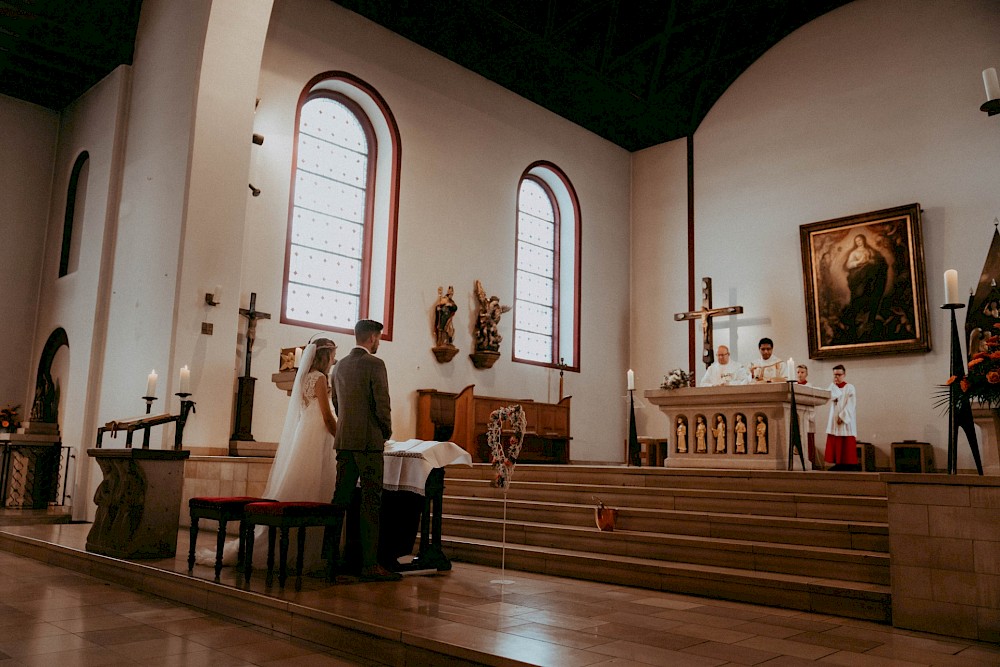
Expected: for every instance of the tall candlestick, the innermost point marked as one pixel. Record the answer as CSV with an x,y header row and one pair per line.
x,y
631,379
185,387
951,286
151,383
992,84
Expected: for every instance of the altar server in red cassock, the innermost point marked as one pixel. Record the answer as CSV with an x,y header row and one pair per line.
x,y
842,428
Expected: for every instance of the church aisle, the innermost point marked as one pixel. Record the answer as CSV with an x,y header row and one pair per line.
x,y
53,616
78,619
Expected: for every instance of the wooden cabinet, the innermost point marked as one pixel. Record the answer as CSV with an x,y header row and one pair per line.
x,y
463,418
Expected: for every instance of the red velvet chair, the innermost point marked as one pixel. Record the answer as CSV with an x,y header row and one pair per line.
x,y
286,515
223,510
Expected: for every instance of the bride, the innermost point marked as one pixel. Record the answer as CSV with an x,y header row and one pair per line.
x,y
304,467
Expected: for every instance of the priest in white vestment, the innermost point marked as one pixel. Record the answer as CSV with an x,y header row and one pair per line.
x,y
723,371
767,368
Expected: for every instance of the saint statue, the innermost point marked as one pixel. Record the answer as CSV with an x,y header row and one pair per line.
x,y
682,431
444,310
700,433
741,435
761,436
488,330
720,434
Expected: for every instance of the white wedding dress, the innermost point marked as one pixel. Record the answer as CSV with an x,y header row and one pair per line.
x,y
304,469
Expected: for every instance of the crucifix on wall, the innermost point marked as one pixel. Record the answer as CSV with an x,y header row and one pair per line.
x,y
705,314
244,395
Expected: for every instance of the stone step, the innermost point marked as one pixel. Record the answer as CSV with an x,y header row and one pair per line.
x,y
831,483
868,536
844,564
816,593
759,503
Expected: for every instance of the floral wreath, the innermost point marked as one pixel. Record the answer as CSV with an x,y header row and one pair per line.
x,y
504,462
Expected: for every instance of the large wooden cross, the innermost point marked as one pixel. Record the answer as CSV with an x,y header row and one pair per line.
x,y
252,315
705,315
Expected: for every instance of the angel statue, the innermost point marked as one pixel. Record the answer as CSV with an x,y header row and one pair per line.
x,y
487,332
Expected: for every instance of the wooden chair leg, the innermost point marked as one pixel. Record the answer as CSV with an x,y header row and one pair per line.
x,y
271,533
248,555
241,551
283,565
300,557
220,545
194,542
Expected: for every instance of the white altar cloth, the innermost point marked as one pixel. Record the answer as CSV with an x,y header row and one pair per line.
x,y
408,463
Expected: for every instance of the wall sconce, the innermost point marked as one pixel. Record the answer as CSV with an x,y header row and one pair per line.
x,y
258,139
211,298
254,191
992,105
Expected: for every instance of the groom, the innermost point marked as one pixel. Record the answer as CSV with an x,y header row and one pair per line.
x,y
360,395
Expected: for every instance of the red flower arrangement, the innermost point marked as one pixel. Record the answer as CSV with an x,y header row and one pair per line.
x,y
982,382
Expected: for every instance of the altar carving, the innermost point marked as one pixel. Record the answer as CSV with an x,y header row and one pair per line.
x,y
760,415
463,418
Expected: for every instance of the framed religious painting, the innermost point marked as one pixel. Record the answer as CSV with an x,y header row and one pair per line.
x,y
865,289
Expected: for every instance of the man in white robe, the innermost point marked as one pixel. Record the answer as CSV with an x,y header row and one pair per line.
x,y
723,371
768,368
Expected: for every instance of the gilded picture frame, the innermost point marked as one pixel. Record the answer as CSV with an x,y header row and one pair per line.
x,y
865,286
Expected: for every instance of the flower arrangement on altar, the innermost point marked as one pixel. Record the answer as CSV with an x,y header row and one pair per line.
x,y
677,378
8,419
504,461
982,382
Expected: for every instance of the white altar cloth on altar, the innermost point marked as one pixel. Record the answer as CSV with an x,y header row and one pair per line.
x,y
408,463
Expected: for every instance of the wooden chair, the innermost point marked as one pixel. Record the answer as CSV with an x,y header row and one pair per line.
x,y
286,515
222,510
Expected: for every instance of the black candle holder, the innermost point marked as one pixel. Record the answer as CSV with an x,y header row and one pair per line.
x,y
957,369
794,431
187,407
149,403
634,453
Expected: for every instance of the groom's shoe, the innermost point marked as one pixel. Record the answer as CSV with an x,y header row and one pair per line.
x,y
379,573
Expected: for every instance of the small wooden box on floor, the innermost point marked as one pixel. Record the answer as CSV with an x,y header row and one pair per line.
x,y
912,456
463,418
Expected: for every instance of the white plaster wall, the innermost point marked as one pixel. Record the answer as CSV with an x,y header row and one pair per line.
x,y
214,217
465,143
142,293
30,133
659,274
74,302
873,105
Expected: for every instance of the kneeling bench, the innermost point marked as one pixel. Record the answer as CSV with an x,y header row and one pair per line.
x,y
222,510
286,515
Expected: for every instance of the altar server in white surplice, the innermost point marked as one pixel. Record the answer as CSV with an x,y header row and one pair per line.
x,y
723,371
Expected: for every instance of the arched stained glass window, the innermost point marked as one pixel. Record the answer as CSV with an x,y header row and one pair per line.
x,y
547,272
340,260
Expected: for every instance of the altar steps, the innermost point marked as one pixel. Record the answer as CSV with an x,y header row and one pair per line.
x,y
813,541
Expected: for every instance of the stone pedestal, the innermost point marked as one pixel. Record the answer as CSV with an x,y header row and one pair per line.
x,y
137,502
988,421
29,475
772,401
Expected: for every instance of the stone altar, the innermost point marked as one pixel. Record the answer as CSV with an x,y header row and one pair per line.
x,y
770,401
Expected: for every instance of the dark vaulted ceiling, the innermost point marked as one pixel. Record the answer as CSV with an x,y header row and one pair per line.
x,y
637,72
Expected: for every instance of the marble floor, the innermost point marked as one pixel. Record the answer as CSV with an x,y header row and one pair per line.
x,y
67,617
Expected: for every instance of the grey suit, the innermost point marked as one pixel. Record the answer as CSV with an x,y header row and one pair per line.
x,y
360,396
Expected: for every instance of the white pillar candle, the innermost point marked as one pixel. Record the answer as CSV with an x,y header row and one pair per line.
x,y
951,286
185,381
151,383
992,84
217,294
298,356
791,369
631,379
